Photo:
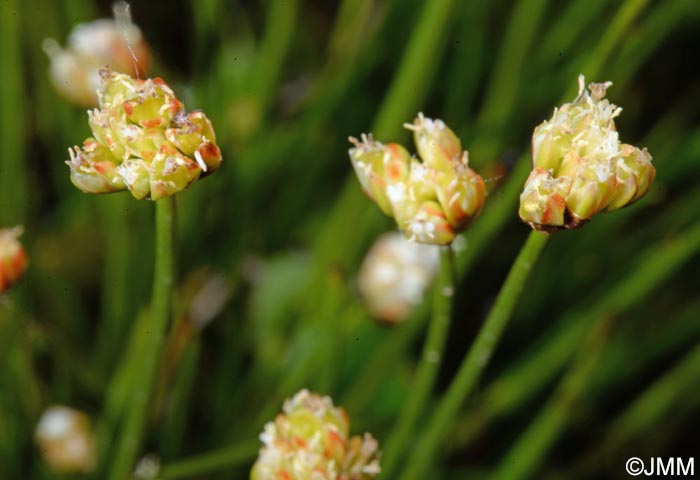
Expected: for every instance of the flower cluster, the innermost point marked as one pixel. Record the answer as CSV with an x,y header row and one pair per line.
x,y
117,43
309,441
66,440
579,165
394,276
13,259
144,141
431,200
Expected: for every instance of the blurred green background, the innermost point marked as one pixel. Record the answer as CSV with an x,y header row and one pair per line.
x,y
601,360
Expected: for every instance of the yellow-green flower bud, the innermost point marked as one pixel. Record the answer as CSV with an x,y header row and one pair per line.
x,y
430,200
634,175
579,166
544,198
437,145
379,167
90,46
309,440
394,276
13,259
66,440
144,141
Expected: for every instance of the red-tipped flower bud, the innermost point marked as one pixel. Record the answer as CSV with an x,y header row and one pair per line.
x,y
13,259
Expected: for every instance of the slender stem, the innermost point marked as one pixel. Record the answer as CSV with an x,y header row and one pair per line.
x,y
224,458
618,27
651,407
115,283
143,372
537,367
280,25
13,109
431,358
375,369
504,84
476,360
523,459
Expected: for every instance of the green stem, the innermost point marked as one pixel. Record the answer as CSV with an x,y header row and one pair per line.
x,y
375,368
115,283
505,81
280,24
476,360
225,458
523,459
13,110
431,358
653,405
540,364
625,16
143,372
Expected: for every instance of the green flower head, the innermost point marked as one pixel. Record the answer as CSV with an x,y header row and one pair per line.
x,y
580,167
143,140
309,441
431,200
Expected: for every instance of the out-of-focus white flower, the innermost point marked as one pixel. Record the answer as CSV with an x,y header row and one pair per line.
x,y
395,275
116,43
66,441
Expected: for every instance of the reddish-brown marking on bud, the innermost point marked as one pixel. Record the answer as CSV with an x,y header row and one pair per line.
x,y
100,167
555,203
209,151
435,212
445,227
299,442
176,105
284,475
394,171
152,123
167,149
334,442
128,107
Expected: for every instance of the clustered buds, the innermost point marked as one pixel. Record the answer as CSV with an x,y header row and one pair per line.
x,y
13,259
394,276
579,165
309,441
431,200
66,441
144,141
117,43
